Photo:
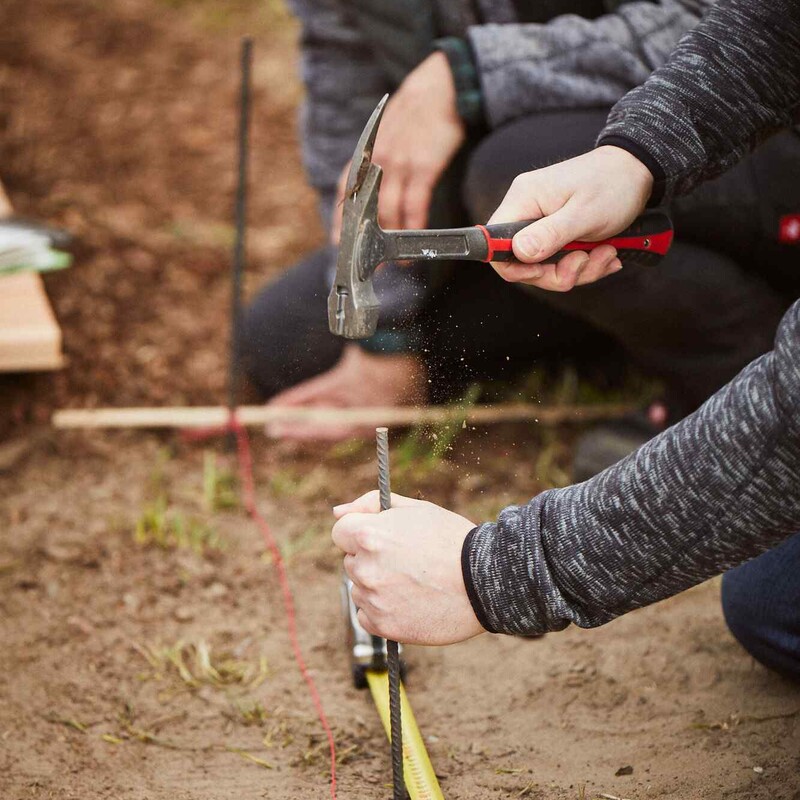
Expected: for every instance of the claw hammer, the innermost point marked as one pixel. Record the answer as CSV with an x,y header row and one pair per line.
x,y
353,307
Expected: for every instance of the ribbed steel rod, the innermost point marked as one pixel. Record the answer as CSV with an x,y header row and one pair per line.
x,y
384,482
392,649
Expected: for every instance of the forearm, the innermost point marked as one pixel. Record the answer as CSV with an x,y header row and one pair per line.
x,y
715,490
573,62
730,83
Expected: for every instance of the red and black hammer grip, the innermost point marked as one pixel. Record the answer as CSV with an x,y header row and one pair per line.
x,y
646,241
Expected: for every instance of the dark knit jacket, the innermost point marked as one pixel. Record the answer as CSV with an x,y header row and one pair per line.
x,y
353,51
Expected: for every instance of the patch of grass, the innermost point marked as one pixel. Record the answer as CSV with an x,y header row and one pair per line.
x,y
250,712
425,447
283,482
553,453
75,724
350,448
195,664
568,385
279,735
162,525
220,487
128,731
170,529
308,485
302,544
250,757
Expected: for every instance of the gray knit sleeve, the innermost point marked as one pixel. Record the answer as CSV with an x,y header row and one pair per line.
x,y
572,62
730,82
715,490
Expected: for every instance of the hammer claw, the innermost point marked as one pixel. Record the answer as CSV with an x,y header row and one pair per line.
x,y
362,156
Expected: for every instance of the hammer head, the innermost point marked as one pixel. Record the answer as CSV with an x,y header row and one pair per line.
x,y
352,304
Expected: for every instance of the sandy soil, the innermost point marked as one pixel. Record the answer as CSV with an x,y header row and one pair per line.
x,y
119,125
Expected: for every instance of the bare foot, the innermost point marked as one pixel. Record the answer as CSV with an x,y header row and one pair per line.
x,y
358,379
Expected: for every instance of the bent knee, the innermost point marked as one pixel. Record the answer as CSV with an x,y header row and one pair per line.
x,y
762,617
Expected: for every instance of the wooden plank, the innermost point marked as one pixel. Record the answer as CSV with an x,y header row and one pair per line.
x,y
211,416
30,337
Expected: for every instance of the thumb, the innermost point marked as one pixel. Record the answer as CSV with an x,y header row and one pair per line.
x,y
545,237
369,503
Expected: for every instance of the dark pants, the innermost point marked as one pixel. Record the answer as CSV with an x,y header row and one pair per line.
x,y
694,321
761,601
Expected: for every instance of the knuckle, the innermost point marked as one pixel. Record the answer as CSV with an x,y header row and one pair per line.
x,y
363,576
548,230
381,621
371,497
428,168
365,622
366,540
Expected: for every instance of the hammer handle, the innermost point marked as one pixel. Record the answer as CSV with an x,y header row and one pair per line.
x,y
647,240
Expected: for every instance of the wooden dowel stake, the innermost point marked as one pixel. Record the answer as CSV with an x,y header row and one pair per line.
x,y
210,416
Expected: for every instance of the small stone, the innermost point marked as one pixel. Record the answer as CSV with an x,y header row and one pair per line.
x,y
131,602
758,770
216,590
628,770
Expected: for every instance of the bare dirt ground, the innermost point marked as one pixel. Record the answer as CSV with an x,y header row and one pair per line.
x,y
144,652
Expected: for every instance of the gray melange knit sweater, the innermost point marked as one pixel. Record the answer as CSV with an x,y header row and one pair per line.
x,y
729,83
711,492
723,485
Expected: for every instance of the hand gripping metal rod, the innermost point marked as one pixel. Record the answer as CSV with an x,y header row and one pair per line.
x,y
392,652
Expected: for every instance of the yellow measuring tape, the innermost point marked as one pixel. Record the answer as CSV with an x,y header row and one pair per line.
x,y
418,771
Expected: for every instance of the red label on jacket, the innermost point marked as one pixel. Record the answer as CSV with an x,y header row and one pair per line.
x,y
790,229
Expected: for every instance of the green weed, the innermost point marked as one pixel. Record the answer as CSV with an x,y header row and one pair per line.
x,y
423,449
170,529
553,453
220,487
250,712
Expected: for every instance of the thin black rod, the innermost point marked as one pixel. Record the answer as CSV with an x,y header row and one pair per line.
x,y
392,649
234,373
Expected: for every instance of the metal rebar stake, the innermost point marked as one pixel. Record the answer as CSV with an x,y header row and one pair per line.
x,y
392,650
234,373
